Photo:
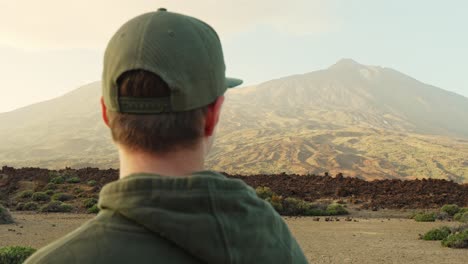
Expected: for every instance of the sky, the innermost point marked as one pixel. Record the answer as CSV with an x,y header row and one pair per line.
x,y
51,47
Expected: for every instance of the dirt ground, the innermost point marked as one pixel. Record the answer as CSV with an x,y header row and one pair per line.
x,y
369,240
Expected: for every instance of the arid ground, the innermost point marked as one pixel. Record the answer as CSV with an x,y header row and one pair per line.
x,y
366,240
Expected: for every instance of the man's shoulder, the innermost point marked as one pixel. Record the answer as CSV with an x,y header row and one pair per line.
x,y
109,238
60,251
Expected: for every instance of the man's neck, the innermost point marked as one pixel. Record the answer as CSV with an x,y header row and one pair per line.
x,y
179,163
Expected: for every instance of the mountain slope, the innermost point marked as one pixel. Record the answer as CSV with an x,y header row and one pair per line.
x,y
365,95
365,121
66,131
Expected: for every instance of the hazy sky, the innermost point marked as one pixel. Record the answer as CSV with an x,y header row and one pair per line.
x,y
50,47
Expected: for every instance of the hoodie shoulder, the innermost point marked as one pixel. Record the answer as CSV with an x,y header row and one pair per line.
x,y
252,231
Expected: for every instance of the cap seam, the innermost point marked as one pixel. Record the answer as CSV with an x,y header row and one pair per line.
x,y
142,40
209,55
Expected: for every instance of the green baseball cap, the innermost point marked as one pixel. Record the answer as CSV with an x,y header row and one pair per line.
x,y
184,51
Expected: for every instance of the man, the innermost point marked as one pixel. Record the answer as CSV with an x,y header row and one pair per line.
x,y
163,85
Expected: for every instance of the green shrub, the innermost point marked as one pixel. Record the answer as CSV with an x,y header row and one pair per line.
x,y
461,217
90,202
56,207
78,190
40,196
30,206
15,254
5,216
92,183
316,212
277,203
49,192
73,180
457,240
19,207
58,180
293,206
93,210
50,186
437,233
66,207
26,194
425,217
62,197
443,216
458,229
264,192
450,209
336,209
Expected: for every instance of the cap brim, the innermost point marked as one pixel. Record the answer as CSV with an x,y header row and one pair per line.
x,y
233,82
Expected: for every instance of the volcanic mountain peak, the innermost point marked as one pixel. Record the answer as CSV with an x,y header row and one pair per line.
x,y
346,62
365,121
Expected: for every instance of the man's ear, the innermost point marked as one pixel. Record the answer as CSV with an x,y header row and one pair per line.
x,y
104,112
212,116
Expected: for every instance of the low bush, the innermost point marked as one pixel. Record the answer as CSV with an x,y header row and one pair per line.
x,y
50,186
93,210
73,180
57,180
336,209
49,192
91,183
458,229
461,217
5,217
15,254
293,206
90,202
443,216
26,194
457,240
264,192
437,233
425,217
62,197
66,207
56,207
450,209
277,203
296,207
316,212
19,207
40,196
30,206
78,190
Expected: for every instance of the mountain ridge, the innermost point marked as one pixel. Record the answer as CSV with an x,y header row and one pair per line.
x,y
370,122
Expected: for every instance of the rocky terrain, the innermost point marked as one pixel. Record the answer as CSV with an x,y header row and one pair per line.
x,y
375,195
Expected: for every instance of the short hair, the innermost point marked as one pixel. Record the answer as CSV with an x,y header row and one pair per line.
x,y
153,133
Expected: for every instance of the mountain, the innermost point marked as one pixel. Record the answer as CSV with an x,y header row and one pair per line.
x,y
65,131
366,121
365,95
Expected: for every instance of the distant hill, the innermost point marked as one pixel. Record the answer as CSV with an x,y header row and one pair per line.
x,y
365,121
349,93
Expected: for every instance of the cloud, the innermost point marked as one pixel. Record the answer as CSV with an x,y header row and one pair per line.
x,y
52,24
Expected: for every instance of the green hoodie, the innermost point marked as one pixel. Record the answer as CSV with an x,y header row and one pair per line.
x,y
201,218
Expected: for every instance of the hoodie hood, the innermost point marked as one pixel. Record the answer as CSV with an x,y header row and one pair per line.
x,y
213,218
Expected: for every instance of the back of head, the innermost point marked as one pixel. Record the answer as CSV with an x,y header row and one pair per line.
x,y
161,71
153,133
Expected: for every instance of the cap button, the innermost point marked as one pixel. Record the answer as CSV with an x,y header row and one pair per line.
x,y
162,9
